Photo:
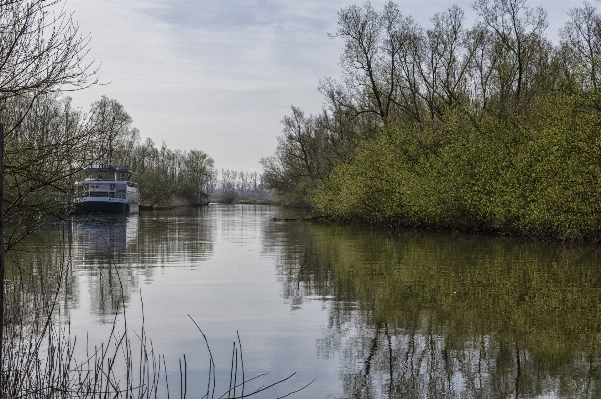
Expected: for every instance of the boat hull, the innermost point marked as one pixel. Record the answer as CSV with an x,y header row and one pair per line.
x,y
102,207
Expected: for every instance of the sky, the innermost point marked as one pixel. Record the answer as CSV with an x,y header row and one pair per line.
x,y
220,75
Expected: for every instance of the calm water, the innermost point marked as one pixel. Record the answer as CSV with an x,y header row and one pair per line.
x,y
366,313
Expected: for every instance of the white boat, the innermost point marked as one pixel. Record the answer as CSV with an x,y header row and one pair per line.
x,y
106,190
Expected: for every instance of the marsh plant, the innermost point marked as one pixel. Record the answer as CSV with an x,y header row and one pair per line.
x,y
42,358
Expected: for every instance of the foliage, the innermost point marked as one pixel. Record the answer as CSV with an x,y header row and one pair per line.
x,y
305,155
535,173
44,148
227,197
47,144
484,128
164,175
41,52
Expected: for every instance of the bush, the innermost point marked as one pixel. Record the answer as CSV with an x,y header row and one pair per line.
x,y
537,172
227,197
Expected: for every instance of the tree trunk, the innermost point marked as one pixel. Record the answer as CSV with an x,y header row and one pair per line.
x,y
1,250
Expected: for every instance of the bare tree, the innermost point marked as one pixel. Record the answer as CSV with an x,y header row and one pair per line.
x,y
304,156
581,38
198,170
41,52
41,49
443,62
111,125
42,155
369,79
519,38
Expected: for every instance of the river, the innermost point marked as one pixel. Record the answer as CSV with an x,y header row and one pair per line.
x,y
361,312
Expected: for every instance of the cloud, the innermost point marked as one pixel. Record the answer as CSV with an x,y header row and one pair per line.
x,y
219,75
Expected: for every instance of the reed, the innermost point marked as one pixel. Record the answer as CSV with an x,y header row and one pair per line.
x,y
39,354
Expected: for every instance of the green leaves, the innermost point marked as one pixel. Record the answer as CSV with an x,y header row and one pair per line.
x,y
484,128
535,173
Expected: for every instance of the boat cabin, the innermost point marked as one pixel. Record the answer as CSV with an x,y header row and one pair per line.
x,y
105,189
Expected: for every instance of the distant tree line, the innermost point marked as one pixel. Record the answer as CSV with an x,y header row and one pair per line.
x,y
228,186
163,175
490,127
49,146
48,142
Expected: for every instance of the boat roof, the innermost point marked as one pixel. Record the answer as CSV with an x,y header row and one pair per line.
x,y
109,168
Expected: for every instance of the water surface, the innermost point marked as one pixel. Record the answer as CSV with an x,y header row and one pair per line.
x,y
365,312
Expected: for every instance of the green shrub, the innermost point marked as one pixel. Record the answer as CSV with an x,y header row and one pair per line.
x,y
536,172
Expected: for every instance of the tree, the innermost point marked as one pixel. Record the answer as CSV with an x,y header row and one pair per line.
x,y
41,50
519,43
111,125
42,155
369,60
198,170
40,53
443,61
581,38
303,158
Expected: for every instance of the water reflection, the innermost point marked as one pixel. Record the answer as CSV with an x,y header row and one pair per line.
x,y
426,315
102,240
115,257
34,271
407,314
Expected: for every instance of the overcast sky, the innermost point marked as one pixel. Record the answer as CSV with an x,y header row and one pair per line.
x,y
219,75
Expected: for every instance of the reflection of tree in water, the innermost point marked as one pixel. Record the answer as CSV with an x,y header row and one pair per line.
x,y
115,252
426,315
36,274
296,261
177,237
105,252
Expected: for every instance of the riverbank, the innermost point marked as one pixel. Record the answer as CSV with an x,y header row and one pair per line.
x,y
255,202
497,133
189,205
171,204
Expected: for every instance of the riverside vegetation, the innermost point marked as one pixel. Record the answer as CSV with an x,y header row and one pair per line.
x,y
48,143
485,128
491,127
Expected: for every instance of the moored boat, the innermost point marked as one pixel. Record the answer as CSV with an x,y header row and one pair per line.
x,y
106,189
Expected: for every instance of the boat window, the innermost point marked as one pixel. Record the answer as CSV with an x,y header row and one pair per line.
x,y
99,194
